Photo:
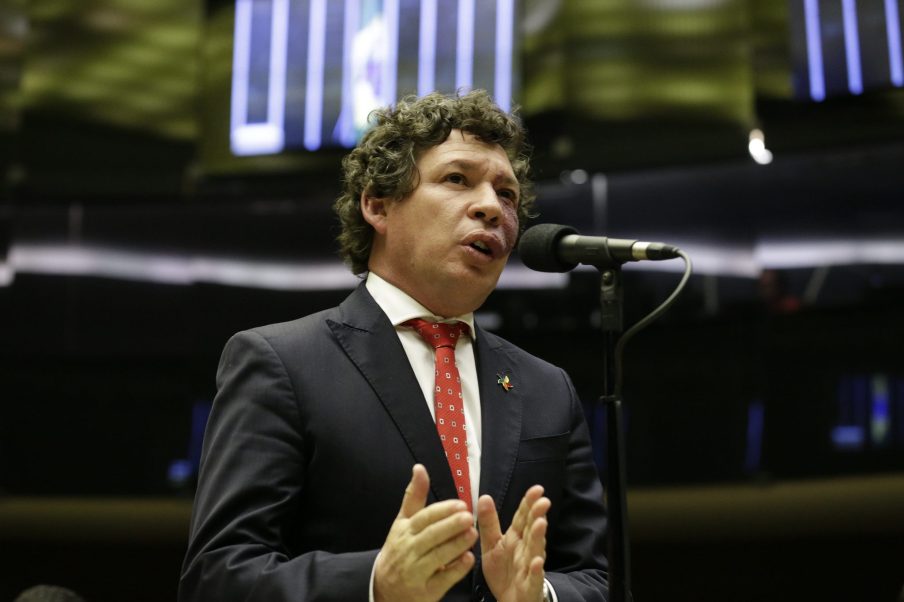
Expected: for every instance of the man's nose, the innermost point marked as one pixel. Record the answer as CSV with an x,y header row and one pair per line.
x,y
486,204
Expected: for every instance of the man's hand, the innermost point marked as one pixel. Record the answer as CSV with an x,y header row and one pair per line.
x,y
513,562
428,548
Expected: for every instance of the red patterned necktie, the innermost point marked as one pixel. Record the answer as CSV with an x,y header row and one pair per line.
x,y
447,399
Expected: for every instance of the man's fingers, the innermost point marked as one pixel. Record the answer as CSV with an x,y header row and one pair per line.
x,y
536,539
520,520
535,573
444,529
534,536
513,562
452,573
448,551
538,510
488,522
435,513
536,566
415,497
535,555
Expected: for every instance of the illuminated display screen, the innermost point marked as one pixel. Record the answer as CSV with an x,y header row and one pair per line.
x,y
870,413
306,73
842,47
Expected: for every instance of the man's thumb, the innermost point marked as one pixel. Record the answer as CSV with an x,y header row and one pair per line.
x,y
415,497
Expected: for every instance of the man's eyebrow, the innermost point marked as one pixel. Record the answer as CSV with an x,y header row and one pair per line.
x,y
464,164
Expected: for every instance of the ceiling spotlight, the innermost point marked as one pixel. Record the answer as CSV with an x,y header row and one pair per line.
x,y
579,176
756,145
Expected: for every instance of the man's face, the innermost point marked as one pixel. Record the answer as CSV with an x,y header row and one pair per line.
x,y
445,244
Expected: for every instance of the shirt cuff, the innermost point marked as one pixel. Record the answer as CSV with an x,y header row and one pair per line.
x,y
373,571
549,588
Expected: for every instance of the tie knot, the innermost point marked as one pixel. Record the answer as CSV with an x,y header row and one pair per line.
x,y
438,334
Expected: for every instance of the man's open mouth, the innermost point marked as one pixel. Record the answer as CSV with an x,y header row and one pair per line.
x,y
482,247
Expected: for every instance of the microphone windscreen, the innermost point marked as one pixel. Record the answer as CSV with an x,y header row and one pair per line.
x,y
539,247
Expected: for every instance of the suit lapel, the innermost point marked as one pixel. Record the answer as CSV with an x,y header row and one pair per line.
x,y
371,343
500,411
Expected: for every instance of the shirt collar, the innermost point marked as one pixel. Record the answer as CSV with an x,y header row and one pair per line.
x,y
400,307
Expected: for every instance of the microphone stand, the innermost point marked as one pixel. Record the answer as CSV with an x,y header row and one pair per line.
x,y
555,248
612,325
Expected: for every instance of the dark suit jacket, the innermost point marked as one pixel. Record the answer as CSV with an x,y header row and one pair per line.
x,y
310,445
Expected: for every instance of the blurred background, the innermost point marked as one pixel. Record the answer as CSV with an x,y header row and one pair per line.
x,y
167,169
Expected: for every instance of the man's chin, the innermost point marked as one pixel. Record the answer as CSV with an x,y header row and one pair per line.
x,y
466,293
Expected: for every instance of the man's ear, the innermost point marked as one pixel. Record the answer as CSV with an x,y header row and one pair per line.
x,y
374,211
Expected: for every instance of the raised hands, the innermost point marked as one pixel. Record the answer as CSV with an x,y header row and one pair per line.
x,y
428,548
513,562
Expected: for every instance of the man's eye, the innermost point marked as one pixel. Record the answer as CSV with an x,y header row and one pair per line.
x,y
456,178
509,195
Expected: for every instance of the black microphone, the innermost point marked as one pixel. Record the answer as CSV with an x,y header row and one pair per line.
x,y
555,248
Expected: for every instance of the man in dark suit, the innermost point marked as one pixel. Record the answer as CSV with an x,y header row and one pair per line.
x,y
329,471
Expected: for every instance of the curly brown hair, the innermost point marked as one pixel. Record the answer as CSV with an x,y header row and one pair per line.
x,y
385,161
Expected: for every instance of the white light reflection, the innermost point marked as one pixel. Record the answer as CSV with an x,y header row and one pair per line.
x,y
748,262
812,253
6,274
709,259
518,276
65,260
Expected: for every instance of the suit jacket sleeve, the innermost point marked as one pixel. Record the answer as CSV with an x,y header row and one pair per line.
x,y
576,562
249,491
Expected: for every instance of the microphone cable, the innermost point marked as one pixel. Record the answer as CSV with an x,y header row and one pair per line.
x,y
618,360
